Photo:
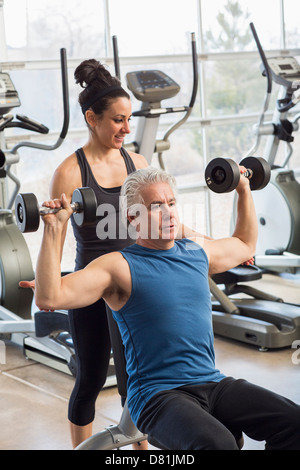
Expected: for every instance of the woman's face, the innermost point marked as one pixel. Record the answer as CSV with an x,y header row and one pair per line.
x,y
113,126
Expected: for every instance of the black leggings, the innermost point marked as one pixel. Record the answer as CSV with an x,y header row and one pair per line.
x,y
91,339
213,416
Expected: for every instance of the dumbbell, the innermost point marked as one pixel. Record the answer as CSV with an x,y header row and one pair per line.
x,y
28,211
222,175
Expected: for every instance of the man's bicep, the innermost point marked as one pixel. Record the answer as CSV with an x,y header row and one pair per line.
x,y
226,253
86,286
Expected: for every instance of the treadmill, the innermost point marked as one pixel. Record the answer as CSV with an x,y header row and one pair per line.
x,y
254,317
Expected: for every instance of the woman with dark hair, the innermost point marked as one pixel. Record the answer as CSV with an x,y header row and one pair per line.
x,y
101,164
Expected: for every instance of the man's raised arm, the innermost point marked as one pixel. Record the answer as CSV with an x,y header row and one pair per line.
x,y
229,252
75,290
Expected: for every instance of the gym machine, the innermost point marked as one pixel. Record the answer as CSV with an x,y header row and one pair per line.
x,y
278,205
257,318
150,87
44,337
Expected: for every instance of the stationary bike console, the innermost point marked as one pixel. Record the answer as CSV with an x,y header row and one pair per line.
x,y
9,97
151,85
284,70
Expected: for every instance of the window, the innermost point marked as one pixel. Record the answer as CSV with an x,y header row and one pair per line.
x,y
226,25
291,24
152,28
152,35
40,29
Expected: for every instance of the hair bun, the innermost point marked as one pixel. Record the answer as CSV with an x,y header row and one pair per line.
x,y
89,71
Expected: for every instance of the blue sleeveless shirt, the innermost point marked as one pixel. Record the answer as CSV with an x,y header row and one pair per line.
x,y
166,324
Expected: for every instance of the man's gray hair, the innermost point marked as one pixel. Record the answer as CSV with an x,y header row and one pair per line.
x,y
136,181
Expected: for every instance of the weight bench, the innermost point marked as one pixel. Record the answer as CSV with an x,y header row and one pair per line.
x,y
124,433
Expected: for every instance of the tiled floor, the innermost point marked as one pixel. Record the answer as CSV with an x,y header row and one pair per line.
x,y
34,398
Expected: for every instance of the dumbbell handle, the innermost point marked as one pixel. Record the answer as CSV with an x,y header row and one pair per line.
x,y
248,174
47,210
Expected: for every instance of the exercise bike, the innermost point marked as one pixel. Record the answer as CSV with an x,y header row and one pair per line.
x,y
278,247
151,87
44,338
261,319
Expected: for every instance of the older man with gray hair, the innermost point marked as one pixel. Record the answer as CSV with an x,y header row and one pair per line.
x,y
159,294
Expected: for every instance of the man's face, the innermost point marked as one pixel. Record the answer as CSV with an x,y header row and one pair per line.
x,y
159,218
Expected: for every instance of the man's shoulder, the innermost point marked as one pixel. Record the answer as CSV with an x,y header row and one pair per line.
x,y
110,262
118,292
111,258
191,243
114,265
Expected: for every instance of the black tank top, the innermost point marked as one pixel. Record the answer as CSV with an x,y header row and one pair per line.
x,y
108,233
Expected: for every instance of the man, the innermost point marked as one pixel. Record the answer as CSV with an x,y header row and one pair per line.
x,y
159,294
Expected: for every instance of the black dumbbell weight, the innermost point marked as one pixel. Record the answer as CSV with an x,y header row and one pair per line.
x,y
28,211
222,175
261,172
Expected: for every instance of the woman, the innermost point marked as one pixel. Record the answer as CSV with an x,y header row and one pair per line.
x,y
103,165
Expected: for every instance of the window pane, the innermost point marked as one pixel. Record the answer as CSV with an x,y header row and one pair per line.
x,y
40,95
44,27
234,86
40,92
191,209
184,158
226,24
291,18
152,28
221,214
232,140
